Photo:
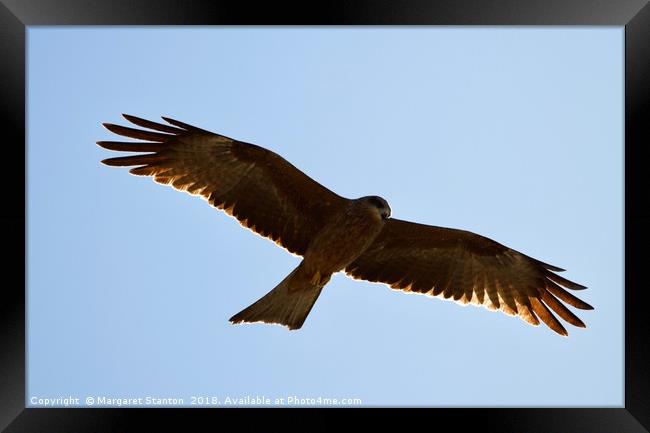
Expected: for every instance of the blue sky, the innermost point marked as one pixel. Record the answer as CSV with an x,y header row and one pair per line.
x,y
513,133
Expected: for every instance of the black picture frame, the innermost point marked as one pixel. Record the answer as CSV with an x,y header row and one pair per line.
x,y
16,15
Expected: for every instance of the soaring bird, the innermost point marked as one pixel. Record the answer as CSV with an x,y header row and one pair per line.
x,y
271,197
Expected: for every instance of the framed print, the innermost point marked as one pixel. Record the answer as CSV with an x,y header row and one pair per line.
x,y
493,146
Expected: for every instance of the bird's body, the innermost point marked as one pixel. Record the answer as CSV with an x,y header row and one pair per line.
x,y
344,238
273,198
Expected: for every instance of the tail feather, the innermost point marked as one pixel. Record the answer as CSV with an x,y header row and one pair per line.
x,y
288,304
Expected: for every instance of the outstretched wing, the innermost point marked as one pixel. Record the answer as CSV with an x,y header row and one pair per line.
x,y
258,187
470,269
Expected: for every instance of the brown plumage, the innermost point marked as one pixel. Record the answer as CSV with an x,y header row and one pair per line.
x,y
274,199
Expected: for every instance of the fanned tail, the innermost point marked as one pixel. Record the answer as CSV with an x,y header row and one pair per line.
x,y
288,304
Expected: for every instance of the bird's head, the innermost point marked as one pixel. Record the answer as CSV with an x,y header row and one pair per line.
x,y
379,203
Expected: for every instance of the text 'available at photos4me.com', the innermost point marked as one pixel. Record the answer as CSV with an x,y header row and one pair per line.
x,y
189,401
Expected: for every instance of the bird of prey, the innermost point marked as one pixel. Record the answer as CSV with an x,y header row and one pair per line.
x,y
271,197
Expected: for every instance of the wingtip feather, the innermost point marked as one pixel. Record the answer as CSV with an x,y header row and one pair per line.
x,y
169,120
125,161
564,282
131,118
182,125
543,312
